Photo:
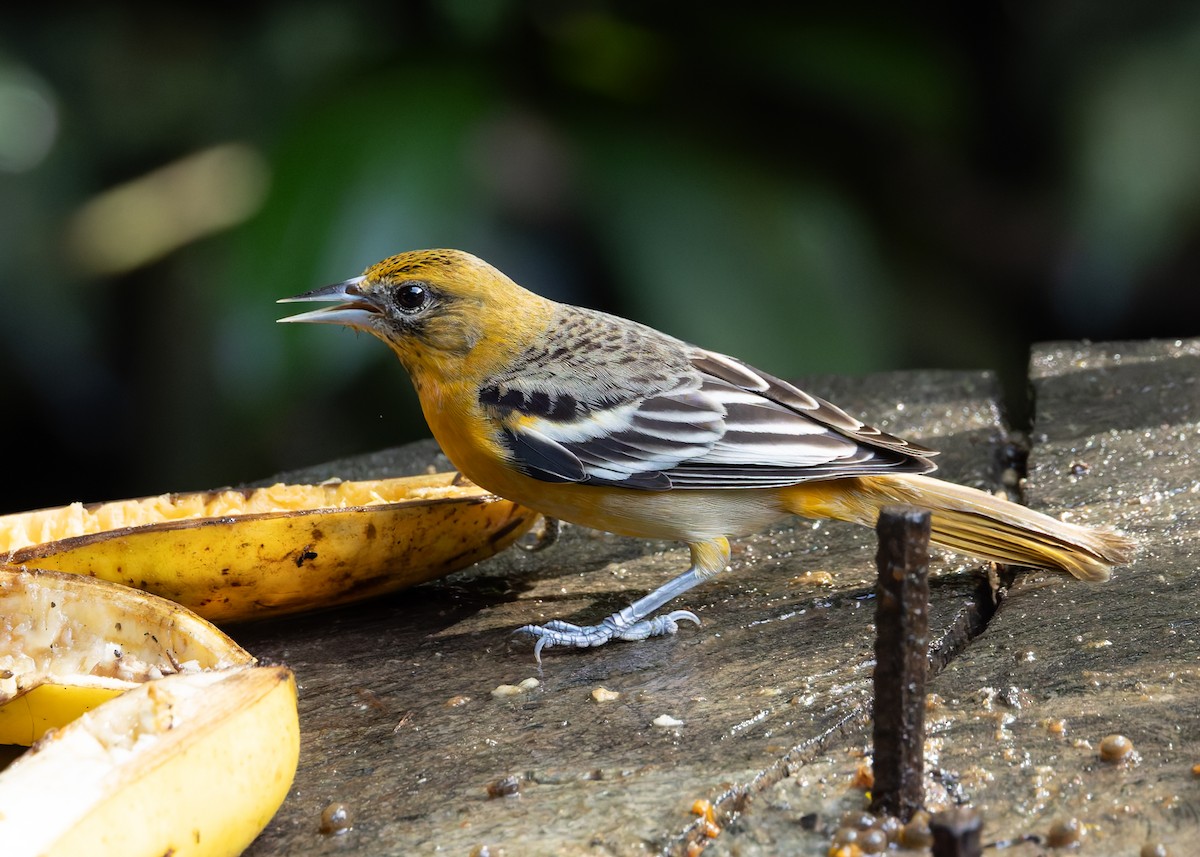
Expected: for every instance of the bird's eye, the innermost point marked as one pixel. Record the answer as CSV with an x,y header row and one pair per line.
x,y
412,297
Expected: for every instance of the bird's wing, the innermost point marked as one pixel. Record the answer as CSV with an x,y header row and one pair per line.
x,y
776,434
611,402
712,423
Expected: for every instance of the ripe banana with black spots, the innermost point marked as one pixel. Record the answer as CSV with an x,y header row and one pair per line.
x,y
239,554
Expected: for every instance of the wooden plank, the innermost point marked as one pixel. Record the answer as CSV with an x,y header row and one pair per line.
x,y
1063,664
1017,719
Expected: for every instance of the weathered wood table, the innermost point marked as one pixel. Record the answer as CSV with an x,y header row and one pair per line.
x,y
767,704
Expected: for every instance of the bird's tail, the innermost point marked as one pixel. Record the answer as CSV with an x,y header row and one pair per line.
x,y
968,521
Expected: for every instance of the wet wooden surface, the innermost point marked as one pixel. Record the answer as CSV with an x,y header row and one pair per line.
x,y
763,710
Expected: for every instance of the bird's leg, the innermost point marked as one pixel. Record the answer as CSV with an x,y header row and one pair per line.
x,y
634,622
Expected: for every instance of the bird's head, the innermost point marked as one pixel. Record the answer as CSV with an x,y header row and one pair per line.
x,y
435,308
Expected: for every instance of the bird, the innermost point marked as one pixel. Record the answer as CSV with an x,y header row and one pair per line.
x,y
607,423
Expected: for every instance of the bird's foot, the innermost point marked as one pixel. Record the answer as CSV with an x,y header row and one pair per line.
x,y
618,626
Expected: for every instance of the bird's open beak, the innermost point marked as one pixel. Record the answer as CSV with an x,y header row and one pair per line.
x,y
354,311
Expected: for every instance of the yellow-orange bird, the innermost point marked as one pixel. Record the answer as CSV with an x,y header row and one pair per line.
x,y
610,424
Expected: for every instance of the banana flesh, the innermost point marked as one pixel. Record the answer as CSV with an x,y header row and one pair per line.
x,y
69,643
240,554
189,764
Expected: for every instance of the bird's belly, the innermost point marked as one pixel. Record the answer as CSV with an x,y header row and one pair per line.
x,y
690,514
683,514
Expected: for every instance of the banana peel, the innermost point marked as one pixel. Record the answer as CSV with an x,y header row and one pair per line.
x,y
152,731
188,764
69,643
240,554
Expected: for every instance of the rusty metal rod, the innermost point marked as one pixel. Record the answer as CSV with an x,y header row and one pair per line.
x,y
901,661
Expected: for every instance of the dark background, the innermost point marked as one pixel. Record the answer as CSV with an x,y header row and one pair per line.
x,y
872,187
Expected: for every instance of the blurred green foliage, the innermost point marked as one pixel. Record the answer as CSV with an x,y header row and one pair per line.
x,y
843,190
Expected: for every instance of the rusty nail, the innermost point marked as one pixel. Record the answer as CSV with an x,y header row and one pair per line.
x,y
901,661
956,832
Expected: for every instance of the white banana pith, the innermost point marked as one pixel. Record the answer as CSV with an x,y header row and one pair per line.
x,y
241,554
189,764
69,643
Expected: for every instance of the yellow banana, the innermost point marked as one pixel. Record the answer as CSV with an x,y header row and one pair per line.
x,y
189,764
240,554
69,643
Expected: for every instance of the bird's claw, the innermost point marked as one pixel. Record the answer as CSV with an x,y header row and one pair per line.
x,y
556,632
